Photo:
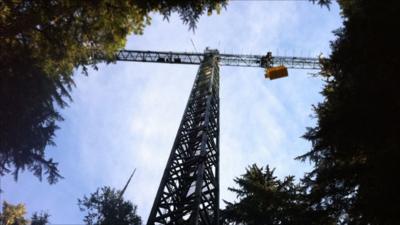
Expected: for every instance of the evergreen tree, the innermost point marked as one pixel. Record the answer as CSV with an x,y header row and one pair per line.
x,y
13,214
41,43
40,218
265,200
106,206
356,144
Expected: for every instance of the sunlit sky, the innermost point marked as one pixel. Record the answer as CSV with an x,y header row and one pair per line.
x,y
126,115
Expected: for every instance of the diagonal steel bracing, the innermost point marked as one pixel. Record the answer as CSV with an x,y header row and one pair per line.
x,y
189,189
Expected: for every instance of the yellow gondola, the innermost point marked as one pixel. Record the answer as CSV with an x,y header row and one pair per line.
x,y
276,72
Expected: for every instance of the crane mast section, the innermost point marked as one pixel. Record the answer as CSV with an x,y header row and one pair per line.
x,y
193,58
189,189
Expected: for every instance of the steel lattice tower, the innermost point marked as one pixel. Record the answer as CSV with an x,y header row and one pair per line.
x,y
189,189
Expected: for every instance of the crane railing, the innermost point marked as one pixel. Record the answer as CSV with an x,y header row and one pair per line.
x,y
264,61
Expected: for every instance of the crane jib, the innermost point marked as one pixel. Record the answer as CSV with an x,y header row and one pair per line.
x,y
264,61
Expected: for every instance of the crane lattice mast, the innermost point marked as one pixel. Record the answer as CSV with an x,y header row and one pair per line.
x,y
189,189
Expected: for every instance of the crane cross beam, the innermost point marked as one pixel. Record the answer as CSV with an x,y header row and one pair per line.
x,y
195,58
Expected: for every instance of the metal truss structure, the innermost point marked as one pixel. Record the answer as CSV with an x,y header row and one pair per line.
x,y
189,190
265,61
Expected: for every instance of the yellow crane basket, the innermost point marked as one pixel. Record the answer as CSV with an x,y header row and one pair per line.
x,y
276,72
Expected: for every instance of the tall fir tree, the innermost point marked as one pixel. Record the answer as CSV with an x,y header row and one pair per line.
x,y
356,144
263,199
106,206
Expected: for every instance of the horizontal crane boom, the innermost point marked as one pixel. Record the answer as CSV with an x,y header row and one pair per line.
x,y
194,58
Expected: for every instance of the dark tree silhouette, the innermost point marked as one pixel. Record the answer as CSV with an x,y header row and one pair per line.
x,y
41,218
106,206
356,144
265,200
41,43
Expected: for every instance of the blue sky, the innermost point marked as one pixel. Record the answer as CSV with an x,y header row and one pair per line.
x,y
126,115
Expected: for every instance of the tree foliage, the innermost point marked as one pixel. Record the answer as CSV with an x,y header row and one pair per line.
x,y
266,200
106,206
356,144
322,2
40,218
41,43
13,214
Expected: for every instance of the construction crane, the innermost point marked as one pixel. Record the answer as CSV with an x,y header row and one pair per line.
x,y
189,189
